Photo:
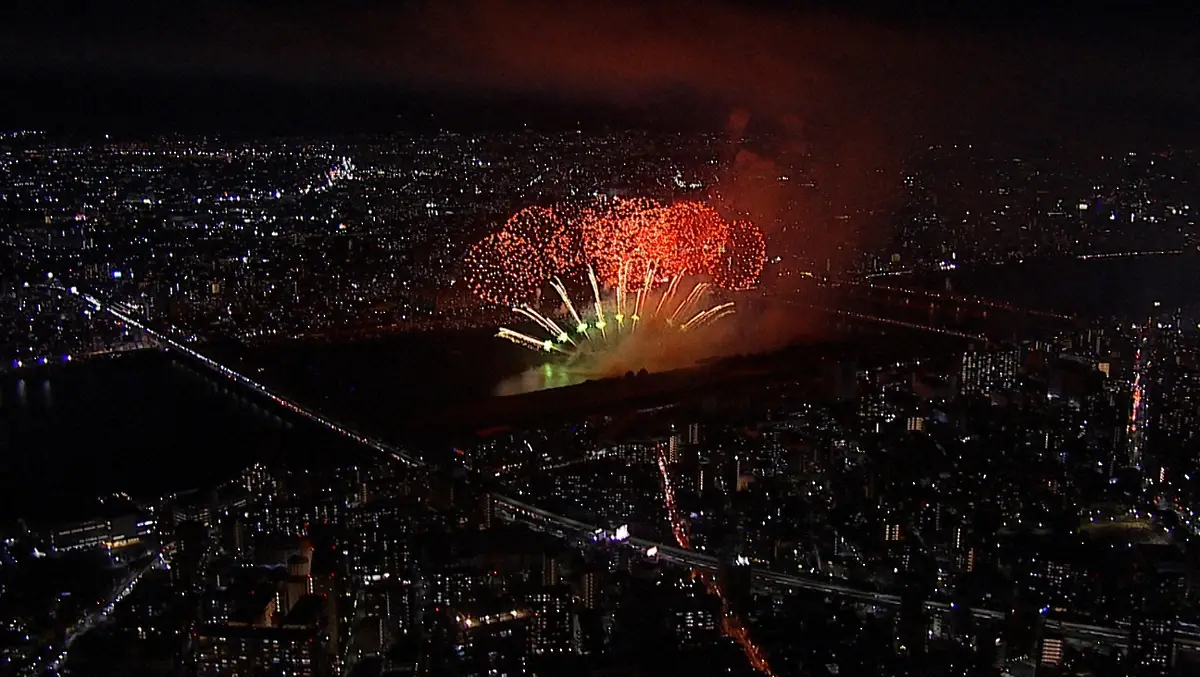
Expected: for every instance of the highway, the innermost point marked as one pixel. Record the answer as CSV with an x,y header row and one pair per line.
x,y
1135,430
94,618
519,511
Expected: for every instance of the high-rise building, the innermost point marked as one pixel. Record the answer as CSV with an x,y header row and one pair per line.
x,y
1050,658
704,476
695,627
736,576
674,449
913,622
550,571
454,585
551,626
487,510
300,644
589,592
223,650
983,372
1152,634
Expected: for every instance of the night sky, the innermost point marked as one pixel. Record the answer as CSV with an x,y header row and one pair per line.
x,y
1047,70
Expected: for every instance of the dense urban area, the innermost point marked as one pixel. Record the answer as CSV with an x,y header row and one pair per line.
x,y
977,489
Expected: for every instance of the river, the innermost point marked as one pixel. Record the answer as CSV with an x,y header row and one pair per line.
x,y
148,424
1097,287
142,423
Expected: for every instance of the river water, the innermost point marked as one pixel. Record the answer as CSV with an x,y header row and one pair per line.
x,y
1098,287
149,425
141,423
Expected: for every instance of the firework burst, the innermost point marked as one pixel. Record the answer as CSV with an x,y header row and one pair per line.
x,y
626,245
510,264
613,316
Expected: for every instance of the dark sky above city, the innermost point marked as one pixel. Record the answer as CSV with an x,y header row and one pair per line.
x,y
1040,70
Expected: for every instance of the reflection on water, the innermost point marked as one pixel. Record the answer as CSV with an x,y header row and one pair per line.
x,y
37,394
1091,288
546,376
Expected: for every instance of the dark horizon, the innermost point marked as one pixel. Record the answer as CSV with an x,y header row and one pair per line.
x,y
900,70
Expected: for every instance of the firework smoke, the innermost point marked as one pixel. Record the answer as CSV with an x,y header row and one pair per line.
x,y
657,330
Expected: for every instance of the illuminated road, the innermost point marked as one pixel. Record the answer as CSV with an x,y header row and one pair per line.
x,y
731,625
1135,430
50,665
547,521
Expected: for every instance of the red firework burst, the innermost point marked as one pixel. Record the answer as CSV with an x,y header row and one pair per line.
x,y
740,258
620,239
508,266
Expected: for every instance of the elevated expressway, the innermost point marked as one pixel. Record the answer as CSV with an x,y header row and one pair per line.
x,y
519,511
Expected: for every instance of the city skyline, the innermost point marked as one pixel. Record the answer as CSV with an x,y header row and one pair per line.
x,y
502,337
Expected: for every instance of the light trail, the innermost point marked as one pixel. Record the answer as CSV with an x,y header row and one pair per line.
x,y
580,325
708,316
600,323
628,316
1125,255
1135,429
669,294
527,340
731,625
546,323
688,302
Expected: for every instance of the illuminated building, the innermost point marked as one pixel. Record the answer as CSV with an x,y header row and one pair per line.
x,y
454,585
257,480
1055,581
642,453
299,645
960,548
695,627
1152,635
736,577
551,625
704,476
589,593
983,372
393,602
1051,655
111,533
487,511
225,650
485,642
549,570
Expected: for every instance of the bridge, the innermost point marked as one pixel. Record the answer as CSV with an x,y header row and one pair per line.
x,y
975,319
516,510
